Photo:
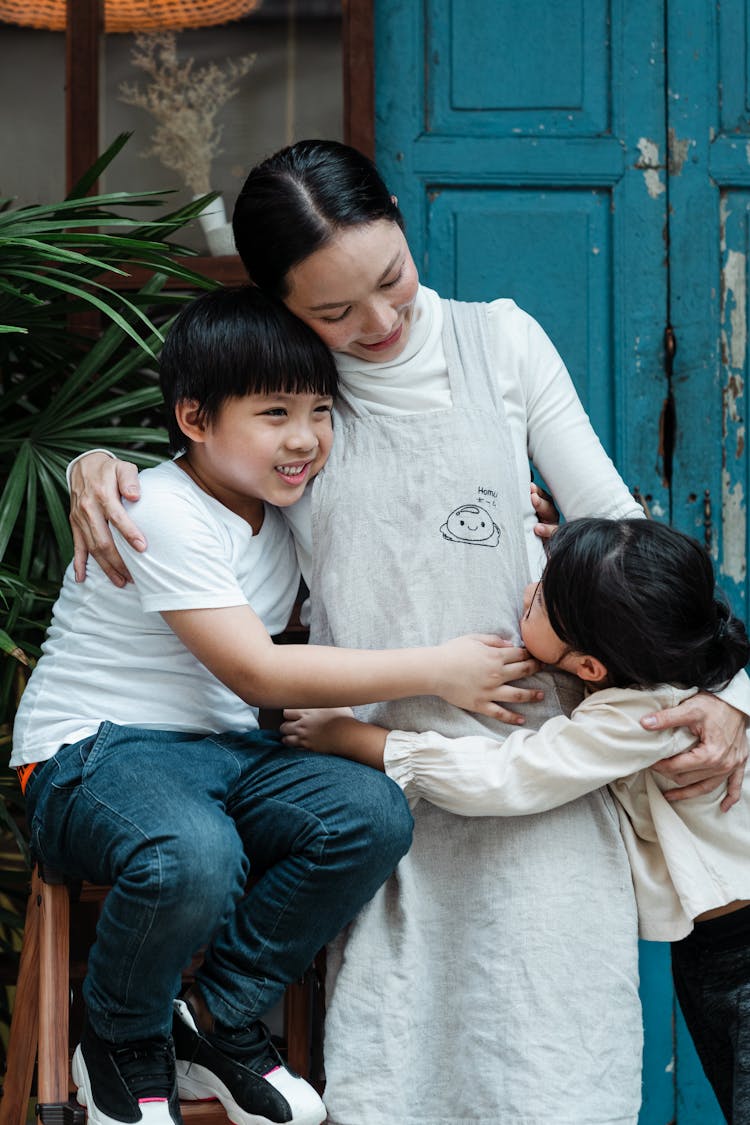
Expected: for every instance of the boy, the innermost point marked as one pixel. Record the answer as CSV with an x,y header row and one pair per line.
x,y
144,768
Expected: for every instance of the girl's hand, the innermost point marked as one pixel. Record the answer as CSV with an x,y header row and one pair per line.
x,y
314,728
96,484
718,757
546,513
473,673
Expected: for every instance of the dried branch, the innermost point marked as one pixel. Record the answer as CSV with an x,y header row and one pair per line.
x,y
184,102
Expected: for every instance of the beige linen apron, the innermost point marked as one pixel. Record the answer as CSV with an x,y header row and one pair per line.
x,y
493,979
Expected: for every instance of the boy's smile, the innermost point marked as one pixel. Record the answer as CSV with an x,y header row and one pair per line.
x,y
261,448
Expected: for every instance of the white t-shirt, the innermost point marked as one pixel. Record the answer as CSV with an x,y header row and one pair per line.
x,y
109,655
686,858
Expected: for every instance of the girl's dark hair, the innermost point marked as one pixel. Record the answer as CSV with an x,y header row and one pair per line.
x,y
237,341
295,201
641,597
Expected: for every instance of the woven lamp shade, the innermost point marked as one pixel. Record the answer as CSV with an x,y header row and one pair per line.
x,y
131,15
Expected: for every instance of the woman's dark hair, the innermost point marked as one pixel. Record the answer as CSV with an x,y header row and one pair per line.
x,y
233,342
295,201
641,597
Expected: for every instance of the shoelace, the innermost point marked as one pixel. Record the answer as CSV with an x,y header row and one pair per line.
x,y
147,1067
253,1047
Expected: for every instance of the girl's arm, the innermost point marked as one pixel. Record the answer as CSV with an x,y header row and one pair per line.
x,y
334,730
564,447
531,772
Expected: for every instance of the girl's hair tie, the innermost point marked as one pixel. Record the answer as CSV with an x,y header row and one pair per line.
x,y
721,629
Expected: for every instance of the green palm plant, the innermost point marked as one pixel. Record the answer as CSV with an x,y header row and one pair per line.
x,y
67,384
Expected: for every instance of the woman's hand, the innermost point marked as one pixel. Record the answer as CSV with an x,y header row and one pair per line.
x,y
718,757
96,484
548,517
474,672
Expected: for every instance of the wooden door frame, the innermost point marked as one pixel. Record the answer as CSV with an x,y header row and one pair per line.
x,y
359,74
85,23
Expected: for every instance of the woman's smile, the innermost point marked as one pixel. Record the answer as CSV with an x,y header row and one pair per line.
x,y
358,291
388,342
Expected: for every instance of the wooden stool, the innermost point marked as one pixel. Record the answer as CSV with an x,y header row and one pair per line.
x,y
40,1025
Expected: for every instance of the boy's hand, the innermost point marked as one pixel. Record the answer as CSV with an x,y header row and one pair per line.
x,y
547,514
718,758
474,671
96,484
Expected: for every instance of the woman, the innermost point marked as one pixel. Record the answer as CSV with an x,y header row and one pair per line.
x,y
452,997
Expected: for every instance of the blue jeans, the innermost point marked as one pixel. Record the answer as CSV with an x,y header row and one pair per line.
x,y
175,823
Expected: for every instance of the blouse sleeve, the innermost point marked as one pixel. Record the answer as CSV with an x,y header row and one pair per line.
x,y
561,441
532,771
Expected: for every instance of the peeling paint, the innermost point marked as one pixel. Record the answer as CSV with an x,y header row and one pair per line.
x,y
724,214
732,393
734,294
649,162
734,529
678,152
659,511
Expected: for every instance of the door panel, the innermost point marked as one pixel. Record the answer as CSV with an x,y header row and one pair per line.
x,y
559,88
709,200
527,141
479,182
505,240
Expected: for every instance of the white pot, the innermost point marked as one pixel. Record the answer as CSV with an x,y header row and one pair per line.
x,y
218,231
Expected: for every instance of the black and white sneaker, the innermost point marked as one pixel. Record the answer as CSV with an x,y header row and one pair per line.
x,y
126,1082
244,1071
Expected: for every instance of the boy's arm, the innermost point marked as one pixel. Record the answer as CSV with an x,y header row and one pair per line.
x,y
188,576
234,645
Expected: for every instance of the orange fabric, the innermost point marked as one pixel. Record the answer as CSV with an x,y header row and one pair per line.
x,y
24,773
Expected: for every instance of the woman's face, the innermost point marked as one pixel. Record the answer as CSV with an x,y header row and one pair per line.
x,y
358,291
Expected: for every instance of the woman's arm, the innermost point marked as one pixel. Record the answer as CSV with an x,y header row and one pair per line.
x,y
549,423
720,754
97,484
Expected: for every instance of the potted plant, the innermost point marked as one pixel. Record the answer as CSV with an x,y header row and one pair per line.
x,y
63,387
184,101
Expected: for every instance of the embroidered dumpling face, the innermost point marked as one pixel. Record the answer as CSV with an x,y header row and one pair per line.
x,y
471,524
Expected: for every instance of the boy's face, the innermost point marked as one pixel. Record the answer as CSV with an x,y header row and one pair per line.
x,y
538,635
263,448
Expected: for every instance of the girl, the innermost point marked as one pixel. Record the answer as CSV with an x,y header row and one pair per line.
x,y
630,608
441,405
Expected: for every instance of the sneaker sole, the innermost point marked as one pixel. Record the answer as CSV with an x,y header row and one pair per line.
x,y
152,1111
196,1084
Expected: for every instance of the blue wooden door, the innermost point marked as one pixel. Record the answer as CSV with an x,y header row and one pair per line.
x,y
573,154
